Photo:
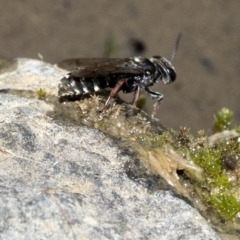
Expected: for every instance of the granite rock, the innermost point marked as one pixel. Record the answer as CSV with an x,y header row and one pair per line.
x,y
67,181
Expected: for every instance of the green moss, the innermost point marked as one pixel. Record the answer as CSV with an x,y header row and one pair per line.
x,y
209,160
153,141
218,179
222,120
228,147
215,179
41,93
226,205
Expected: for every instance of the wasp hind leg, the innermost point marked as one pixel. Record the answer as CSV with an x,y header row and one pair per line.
x,y
155,95
113,93
134,102
136,96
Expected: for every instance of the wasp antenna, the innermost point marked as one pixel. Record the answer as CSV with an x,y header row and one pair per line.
x,y
176,47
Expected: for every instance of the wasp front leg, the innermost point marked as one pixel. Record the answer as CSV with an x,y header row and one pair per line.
x,y
155,95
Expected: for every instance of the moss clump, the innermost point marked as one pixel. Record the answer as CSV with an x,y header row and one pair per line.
x,y
226,205
210,160
220,165
41,94
153,141
222,120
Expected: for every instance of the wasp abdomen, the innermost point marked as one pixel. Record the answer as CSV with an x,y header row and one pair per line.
x,y
72,88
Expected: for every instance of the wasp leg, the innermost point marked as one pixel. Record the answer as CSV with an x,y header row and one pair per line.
x,y
113,93
136,96
155,95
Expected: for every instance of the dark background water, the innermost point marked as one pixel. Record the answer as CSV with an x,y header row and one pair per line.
x,y
207,62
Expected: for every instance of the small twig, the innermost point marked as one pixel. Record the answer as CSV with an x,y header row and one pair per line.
x,y
3,150
24,158
226,134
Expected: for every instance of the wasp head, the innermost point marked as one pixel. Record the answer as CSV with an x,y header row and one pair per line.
x,y
165,71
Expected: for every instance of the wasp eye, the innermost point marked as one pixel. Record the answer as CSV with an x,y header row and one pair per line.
x,y
171,73
148,72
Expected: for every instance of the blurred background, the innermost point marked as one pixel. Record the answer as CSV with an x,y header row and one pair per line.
x,y
207,61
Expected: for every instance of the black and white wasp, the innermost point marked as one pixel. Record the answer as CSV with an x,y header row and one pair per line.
x,y
88,75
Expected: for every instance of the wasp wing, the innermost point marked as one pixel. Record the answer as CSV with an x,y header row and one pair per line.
x,y
101,67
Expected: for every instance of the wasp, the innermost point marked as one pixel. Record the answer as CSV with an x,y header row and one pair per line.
x,y
89,75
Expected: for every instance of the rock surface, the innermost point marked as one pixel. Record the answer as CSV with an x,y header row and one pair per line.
x,y
65,181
